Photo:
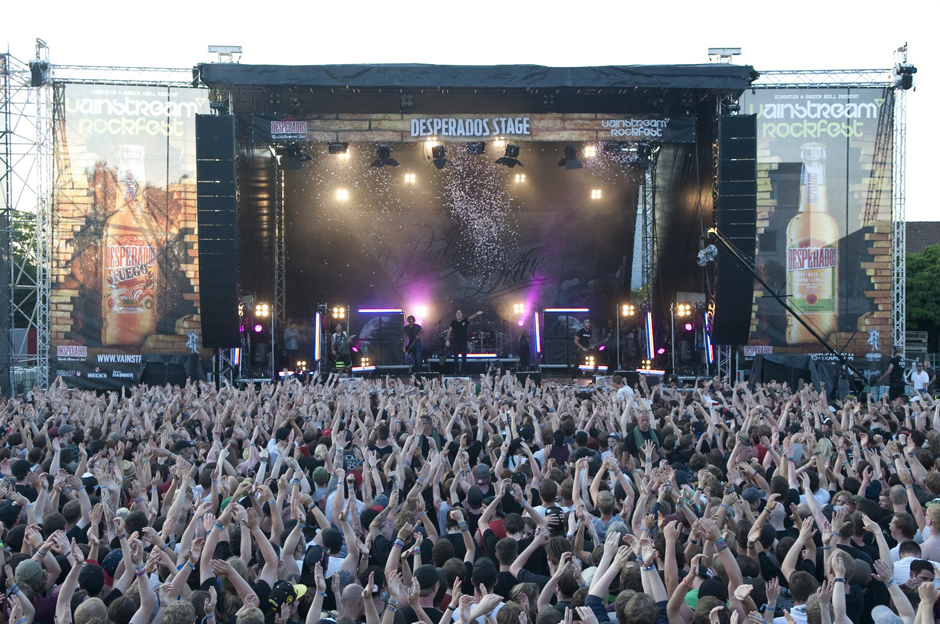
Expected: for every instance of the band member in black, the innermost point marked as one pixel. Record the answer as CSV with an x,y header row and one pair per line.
x,y
458,335
413,335
339,346
524,361
582,339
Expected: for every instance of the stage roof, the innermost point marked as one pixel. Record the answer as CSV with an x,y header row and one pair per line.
x,y
721,76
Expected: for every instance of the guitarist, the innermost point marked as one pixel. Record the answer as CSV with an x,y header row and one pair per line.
x,y
339,346
413,334
582,339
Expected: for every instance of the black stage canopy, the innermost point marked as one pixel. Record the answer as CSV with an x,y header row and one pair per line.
x,y
722,76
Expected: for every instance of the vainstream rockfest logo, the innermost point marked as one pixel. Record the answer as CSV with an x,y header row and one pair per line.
x,y
816,119
132,112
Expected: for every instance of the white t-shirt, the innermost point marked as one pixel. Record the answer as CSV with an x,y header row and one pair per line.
x,y
479,620
625,394
902,570
919,380
798,613
822,497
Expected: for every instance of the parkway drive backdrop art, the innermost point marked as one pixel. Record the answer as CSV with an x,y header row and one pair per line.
x,y
125,275
824,219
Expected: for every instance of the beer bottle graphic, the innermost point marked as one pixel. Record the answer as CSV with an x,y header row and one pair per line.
x,y
130,267
812,253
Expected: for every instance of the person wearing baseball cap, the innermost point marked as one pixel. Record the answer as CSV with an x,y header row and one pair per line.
x,y
429,580
287,593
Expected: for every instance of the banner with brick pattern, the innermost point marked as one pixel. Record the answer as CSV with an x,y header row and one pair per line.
x,y
824,220
125,275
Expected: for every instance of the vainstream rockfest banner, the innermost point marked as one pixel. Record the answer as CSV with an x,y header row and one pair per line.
x,y
823,220
125,274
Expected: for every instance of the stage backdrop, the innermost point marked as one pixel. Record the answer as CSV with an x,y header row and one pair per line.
x,y
125,274
824,220
474,235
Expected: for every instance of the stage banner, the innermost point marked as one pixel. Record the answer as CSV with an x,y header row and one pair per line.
x,y
125,275
823,220
394,128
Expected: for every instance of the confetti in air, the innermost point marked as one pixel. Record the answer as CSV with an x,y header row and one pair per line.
x,y
475,194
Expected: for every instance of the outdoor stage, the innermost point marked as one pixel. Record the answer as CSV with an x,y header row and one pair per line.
x,y
265,198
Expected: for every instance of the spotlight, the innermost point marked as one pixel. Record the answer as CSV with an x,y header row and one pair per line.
x,y
339,148
476,147
688,327
590,151
409,178
520,177
384,157
660,351
364,361
589,361
510,158
628,309
646,365
499,142
342,194
707,255
294,153
683,309
258,328
570,161
518,308
596,194
437,153
339,312
262,309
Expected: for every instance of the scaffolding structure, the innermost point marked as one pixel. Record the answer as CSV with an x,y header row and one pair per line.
x,y
870,78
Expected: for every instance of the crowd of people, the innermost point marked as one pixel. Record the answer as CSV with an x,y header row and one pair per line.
x,y
397,501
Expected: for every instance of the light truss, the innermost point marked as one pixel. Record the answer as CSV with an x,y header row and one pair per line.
x,y
128,76
819,78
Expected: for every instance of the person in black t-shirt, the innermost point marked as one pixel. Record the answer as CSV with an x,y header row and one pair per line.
x,y
458,336
413,347
582,339
895,375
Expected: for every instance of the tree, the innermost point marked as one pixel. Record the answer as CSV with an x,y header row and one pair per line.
x,y
923,293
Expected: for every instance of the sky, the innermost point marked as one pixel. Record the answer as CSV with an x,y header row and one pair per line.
x,y
800,34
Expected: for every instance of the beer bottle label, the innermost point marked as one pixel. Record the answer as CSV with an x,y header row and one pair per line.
x,y
128,270
812,276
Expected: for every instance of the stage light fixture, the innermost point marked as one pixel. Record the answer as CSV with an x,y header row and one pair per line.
x,y
409,178
384,157
339,148
628,309
570,161
476,147
520,177
688,327
499,142
590,151
295,153
518,308
683,309
342,194
262,309
511,157
438,154
258,328
646,364
709,254
589,361
432,141
364,361
339,312
596,194
407,103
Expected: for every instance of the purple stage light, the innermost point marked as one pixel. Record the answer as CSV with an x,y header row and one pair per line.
x,y
688,327
258,328
660,351
355,349
601,348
